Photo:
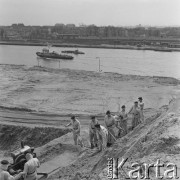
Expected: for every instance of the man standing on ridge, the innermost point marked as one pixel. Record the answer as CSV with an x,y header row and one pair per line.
x,y
102,135
135,114
123,122
110,123
141,107
76,129
92,132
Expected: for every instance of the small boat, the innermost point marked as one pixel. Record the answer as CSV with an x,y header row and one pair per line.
x,y
73,52
163,50
52,55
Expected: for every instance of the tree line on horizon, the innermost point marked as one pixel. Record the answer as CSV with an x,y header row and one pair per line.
x,y
54,32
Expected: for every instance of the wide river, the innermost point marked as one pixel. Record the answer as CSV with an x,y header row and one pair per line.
x,y
67,91
136,62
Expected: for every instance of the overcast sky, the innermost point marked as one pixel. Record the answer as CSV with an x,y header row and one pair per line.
x,y
98,12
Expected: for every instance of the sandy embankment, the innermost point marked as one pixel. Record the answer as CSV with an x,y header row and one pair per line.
x,y
158,138
117,90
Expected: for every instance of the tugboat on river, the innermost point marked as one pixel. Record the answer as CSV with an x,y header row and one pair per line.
x,y
53,55
73,52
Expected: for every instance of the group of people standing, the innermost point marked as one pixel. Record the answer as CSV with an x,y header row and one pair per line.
x,y
104,136
100,137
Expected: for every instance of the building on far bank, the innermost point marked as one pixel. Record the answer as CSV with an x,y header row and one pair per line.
x,y
70,25
59,25
67,36
12,34
163,35
19,25
174,45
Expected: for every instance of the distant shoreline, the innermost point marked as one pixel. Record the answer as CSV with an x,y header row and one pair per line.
x,y
168,79
21,43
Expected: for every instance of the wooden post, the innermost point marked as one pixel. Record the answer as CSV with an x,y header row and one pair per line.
x,y
99,65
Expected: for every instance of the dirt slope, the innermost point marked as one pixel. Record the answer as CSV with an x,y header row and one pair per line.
x,y
160,139
85,93
157,138
91,163
11,136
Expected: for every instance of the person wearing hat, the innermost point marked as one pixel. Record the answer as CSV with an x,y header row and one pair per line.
x,y
102,135
30,167
92,132
123,121
135,114
141,107
110,123
76,129
4,174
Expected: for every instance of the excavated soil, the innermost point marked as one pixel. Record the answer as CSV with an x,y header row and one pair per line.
x,y
37,102
157,138
11,136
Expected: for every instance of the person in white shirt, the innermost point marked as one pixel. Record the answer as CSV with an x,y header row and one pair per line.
x,y
110,123
102,135
92,132
30,167
135,114
76,130
123,122
4,174
141,107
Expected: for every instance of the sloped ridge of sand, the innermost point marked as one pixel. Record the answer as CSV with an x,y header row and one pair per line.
x,y
159,140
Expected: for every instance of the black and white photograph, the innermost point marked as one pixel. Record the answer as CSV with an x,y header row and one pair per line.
x,y
89,89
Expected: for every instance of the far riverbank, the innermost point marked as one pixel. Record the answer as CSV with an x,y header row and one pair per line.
x,y
102,46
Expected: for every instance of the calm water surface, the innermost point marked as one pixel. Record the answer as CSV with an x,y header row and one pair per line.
x,y
70,91
137,62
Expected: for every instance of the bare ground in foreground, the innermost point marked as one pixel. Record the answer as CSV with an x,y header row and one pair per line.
x,y
57,147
